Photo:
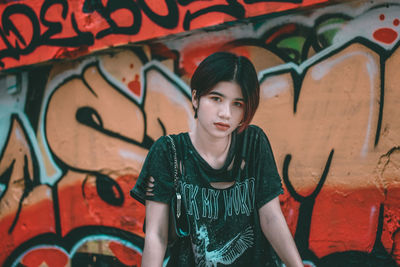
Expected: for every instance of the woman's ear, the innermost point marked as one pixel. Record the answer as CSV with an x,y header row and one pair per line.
x,y
195,102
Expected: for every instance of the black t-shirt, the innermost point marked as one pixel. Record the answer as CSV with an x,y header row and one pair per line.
x,y
224,224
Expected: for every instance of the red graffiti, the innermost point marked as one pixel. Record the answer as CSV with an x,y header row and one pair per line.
x,y
134,86
38,219
45,256
333,232
288,29
125,255
92,210
194,55
385,35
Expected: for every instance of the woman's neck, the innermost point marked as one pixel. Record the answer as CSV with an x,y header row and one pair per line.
x,y
213,150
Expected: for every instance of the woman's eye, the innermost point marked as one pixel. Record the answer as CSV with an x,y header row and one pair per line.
x,y
215,98
238,104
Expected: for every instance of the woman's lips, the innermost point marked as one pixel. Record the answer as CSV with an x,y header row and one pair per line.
x,y
221,126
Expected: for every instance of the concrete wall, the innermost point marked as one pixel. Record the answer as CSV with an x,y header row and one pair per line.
x,y
73,136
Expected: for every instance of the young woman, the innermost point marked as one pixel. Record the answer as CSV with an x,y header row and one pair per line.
x,y
229,182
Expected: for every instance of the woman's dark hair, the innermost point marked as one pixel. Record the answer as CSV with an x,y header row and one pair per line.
x,y
228,67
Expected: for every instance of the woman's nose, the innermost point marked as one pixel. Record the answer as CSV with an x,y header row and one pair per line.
x,y
225,111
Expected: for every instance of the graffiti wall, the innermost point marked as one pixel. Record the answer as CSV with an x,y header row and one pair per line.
x,y
40,30
74,135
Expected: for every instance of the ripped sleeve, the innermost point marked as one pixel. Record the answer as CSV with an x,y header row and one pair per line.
x,y
155,181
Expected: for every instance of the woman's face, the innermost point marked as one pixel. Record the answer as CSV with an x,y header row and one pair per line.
x,y
221,110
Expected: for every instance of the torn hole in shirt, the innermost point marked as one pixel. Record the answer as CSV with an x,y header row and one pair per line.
x,y
182,168
224,185
243,164
150,187
231,165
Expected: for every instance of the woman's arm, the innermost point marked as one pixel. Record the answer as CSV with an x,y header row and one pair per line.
x,y
156,239
275,228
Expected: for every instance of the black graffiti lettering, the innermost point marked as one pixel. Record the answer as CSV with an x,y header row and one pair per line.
x,y
23,47
52,27
186,2
168,21
233,8
82,38
281,1
90,6
109,190
90,117
9,26
303,228
113,6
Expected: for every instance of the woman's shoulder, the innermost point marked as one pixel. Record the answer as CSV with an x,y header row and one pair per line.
x,y
163,141
257,136
254,128
160,142
255,131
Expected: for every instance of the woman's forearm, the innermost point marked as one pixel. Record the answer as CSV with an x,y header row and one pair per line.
x,y
275,228
156,239
282,241
154,251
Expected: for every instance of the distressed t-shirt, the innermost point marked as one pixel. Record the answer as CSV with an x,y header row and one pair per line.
x,y
224,223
